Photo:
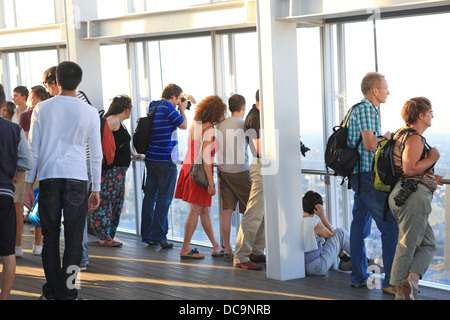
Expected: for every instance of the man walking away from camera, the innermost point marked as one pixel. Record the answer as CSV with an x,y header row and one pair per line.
x,y
60,130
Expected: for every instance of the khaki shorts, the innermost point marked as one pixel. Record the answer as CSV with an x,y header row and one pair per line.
x,y
20,185
235,187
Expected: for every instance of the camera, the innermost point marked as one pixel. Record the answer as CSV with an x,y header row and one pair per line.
x,y
304,149
189,103
408,187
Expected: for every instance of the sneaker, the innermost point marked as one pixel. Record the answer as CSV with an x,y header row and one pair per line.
x,y
345,265
410,290
19,251
37,250
83,267
164,245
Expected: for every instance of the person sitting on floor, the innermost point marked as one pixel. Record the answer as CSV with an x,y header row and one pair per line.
x,y
322,243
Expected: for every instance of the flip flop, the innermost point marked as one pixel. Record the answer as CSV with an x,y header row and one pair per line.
x,y
110,243
194,254
220,254
228,256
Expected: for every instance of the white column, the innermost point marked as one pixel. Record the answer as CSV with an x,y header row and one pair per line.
x,y
280,142
84,52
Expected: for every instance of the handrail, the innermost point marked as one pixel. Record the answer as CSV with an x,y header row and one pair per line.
x,y
317,172
331,173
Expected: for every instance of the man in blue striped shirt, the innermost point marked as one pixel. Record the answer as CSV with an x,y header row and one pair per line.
x,y
160,164
368,202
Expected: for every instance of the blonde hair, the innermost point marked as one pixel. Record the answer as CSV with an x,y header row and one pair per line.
x,y
370,81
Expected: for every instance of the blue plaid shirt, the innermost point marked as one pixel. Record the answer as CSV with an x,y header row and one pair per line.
x,y
364,117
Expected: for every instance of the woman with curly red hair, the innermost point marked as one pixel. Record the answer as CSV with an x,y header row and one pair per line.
x,y
209,111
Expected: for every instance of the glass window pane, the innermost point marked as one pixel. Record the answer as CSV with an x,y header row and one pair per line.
x,y
188,63
359,58
310,96
310,104
34,13
9,16
247,66
165,5
111,8
115,81
33,65
115,73
12,64
416,64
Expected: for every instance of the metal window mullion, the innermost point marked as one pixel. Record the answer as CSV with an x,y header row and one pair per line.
x,y
5,76
328,105
232,62
134,89
18,68
342,98
2,15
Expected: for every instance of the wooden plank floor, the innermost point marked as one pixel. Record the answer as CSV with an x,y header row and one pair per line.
x,y
137,271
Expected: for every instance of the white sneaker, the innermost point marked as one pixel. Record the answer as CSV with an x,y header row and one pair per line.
x,y
37,250
19,251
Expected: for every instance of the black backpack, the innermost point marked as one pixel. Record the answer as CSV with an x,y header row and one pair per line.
x,y
141,136
384,176
338,156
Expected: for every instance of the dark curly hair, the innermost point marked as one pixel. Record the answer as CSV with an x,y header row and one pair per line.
x,y
210,109
310,199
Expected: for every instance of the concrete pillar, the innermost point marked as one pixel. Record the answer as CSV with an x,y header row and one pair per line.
x,y
280,142
84,52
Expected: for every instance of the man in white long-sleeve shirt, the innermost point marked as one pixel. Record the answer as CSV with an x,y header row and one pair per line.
x,y
60,129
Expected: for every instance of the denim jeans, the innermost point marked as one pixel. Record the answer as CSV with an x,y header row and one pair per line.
x,y
333,246
159,191
85,256
57,196
367,205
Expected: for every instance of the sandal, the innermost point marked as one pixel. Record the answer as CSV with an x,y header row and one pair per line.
x,y
228,256
110,243
194,254
220,254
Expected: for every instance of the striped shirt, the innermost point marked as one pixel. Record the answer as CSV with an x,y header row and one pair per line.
x,y
163,146
82,96
364,117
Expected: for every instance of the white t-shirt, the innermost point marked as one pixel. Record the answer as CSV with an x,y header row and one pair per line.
x,y
309,236
60,128
232,157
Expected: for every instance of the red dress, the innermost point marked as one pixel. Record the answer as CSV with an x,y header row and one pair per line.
x,y
187,189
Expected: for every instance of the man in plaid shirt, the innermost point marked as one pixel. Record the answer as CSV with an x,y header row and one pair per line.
x,y
368,202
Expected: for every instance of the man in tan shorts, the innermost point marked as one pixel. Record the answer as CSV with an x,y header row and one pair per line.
x,y
234,175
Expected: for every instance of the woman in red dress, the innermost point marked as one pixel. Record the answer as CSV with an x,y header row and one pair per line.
x,y
209,111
